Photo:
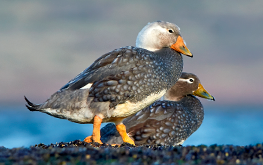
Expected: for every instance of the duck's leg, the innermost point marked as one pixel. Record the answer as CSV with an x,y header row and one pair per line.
x,y
122,131
95,137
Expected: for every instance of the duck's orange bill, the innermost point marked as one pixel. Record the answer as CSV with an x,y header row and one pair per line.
x,y
180,47
201,92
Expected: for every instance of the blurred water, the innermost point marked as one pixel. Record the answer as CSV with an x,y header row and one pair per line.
x,y
222,125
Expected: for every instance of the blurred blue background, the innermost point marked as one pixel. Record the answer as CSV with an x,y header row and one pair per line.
x,y
44,44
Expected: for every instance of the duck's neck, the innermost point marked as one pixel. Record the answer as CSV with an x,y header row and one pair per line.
x,y
171,97
172,62
195,107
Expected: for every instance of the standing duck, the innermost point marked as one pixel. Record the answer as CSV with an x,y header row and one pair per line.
x,y
121,82
168,122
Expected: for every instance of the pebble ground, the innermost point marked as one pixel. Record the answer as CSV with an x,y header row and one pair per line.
x,y
79,152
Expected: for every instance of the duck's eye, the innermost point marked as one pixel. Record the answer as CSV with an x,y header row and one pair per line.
x,y
170,30
190,80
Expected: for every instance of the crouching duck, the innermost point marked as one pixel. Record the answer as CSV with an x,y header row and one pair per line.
x,y
121,82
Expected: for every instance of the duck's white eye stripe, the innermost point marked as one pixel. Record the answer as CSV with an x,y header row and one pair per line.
x,y
190,80
182,79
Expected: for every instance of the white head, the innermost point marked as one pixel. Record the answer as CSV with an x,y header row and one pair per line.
x,y
157,35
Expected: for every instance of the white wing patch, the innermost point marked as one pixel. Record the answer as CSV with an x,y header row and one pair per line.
x,y
87,86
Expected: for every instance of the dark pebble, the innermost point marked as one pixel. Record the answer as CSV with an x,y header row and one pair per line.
x,y
79,152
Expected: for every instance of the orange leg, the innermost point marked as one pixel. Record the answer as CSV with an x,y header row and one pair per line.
x,y
95,137
122,131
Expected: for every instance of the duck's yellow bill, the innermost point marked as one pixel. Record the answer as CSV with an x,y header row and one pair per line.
x,y
201,92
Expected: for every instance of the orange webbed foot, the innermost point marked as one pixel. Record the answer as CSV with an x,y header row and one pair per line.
x,y
89,139
122,131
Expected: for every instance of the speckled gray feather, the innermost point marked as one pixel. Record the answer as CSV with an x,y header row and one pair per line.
x,y
125,74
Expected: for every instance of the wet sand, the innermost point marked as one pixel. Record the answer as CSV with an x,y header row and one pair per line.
x,y
79,152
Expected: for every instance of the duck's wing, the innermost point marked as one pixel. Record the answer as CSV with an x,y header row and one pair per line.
x,y
114,78
109,64
158,127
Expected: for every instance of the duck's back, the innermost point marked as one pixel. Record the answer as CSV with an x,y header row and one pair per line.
x,y
138,70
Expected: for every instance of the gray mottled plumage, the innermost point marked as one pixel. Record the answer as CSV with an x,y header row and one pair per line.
x,y
148,75
164,122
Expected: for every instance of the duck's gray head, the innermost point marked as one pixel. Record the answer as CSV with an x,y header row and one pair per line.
x,y
157,35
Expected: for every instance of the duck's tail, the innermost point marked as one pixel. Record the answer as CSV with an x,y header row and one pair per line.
x,y
70,105
31,106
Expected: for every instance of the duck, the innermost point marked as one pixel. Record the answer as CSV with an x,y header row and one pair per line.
x,y
121,82
165,122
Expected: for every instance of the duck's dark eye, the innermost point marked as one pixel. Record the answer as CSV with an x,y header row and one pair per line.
x,y
191,80
170,30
